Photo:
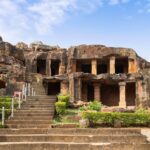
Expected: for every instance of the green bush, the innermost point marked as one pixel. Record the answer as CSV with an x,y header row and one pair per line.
x,y
127,119
94,105
5,99
60,107
7,105
141,110
64,98
1,126
7,113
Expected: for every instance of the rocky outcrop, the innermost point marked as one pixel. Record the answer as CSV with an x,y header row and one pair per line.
x,y
99,51
12,67
71,67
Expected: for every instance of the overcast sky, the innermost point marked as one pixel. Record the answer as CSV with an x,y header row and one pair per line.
x,y
124,23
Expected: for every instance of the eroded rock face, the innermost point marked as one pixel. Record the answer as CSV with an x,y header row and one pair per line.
x,y
12,69
22,46
77,70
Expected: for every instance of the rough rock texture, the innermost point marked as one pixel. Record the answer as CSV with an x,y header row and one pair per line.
x,y
84,71
12,69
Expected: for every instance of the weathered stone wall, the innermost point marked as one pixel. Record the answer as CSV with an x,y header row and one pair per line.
x,y
19,64
11,66
98,51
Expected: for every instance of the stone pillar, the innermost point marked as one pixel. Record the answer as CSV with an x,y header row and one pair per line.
x,y
74,65
94,67
61,69
141,94
64,88
97,91
72,88
112,65
79,89
122,100
132,67
48,67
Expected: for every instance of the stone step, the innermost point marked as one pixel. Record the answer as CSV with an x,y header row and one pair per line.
x,y
98,131
33,114
34,111
42,96
32,118
71,146
79,131
41,100
34,102
71,138
20,126
37,105
28,121
40,91
23,131
38,108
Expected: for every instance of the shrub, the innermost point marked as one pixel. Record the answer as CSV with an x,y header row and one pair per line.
x,y
127,119
83,108
95,105
141,110
64,98
7,113
1,126
7,105
60,107
5,99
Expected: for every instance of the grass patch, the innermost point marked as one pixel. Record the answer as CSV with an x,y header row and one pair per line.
x,y
6,102
70,116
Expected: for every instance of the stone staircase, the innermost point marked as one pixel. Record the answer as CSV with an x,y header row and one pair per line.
x,y
36,112
73,139
30,130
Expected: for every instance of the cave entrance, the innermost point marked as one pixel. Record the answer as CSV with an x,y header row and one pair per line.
x,y
84,66
130,94
102,66
90,92
55,67
53,88
87,91
110,94
2,84
121,65
41,66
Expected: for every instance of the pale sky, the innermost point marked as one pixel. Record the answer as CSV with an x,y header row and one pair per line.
x,y
118,23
